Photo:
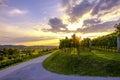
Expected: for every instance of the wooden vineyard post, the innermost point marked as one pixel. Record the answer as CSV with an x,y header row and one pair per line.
x,y
118,43
89,45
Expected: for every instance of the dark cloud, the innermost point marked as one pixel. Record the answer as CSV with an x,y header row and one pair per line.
x,y
79,10
100,27
91,21
75,11
69,3
56,25
2,3
105,5
65,3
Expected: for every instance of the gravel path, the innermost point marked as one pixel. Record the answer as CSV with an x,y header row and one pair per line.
x,y
33,70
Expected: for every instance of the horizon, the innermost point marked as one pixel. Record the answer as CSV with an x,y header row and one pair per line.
x,y
30,46
45,22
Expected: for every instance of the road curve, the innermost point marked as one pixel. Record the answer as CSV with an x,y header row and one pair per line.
x,y
33,70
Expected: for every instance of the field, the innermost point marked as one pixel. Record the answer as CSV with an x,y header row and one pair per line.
x,y
94,63
12,56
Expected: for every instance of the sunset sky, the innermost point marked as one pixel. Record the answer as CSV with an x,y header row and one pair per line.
x,y
44,22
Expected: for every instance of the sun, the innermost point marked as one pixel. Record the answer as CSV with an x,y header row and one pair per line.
x,y
75,26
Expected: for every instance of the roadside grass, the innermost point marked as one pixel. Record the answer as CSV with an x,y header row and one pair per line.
x,y
95,63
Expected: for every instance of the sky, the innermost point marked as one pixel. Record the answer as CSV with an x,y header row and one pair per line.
x,y
45,22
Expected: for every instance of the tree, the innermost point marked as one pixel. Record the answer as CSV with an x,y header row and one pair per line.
x,y
86,42
117,28
74,41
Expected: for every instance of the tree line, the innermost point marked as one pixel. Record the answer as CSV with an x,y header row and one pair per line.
x,y
109,42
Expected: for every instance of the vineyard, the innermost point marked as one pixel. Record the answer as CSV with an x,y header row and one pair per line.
x,y
110,42
106,43
94,57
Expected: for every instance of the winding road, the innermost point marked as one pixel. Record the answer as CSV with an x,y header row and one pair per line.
x,y
33,70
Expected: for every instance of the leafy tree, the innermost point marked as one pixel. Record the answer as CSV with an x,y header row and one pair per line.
x,y
117,28
74,41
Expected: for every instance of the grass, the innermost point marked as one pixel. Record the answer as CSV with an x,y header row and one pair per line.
x,y
95,63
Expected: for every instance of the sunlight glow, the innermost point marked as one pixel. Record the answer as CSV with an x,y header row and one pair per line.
x,y
53,42
94,35
115,13
79,24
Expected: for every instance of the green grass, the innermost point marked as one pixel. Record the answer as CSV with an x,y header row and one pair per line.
x,y
95,63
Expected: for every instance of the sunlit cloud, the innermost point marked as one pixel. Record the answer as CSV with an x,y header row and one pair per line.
x,y
42,26
94,35
11,34
112,15
53,42
17,12
90,15
104,6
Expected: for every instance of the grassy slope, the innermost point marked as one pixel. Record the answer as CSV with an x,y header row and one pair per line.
x,y
95,63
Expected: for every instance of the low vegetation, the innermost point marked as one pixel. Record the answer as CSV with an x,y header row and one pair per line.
x,y
94,63
10,56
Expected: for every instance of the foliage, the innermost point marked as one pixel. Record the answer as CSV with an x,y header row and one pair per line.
x,y
69,43
107,42
10,56
66,43
117,28
85,42
73,42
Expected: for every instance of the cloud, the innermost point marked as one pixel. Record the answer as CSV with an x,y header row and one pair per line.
x,y
17,12
80,9
103,5
99,27
11,34
23,39
65,3
77,8
32,38
92,21
2,3
56,25
94,15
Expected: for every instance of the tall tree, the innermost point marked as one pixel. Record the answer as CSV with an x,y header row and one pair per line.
x,y
76,43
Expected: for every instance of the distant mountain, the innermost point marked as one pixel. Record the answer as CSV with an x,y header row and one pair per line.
x,y
12,46
22,46
41,46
